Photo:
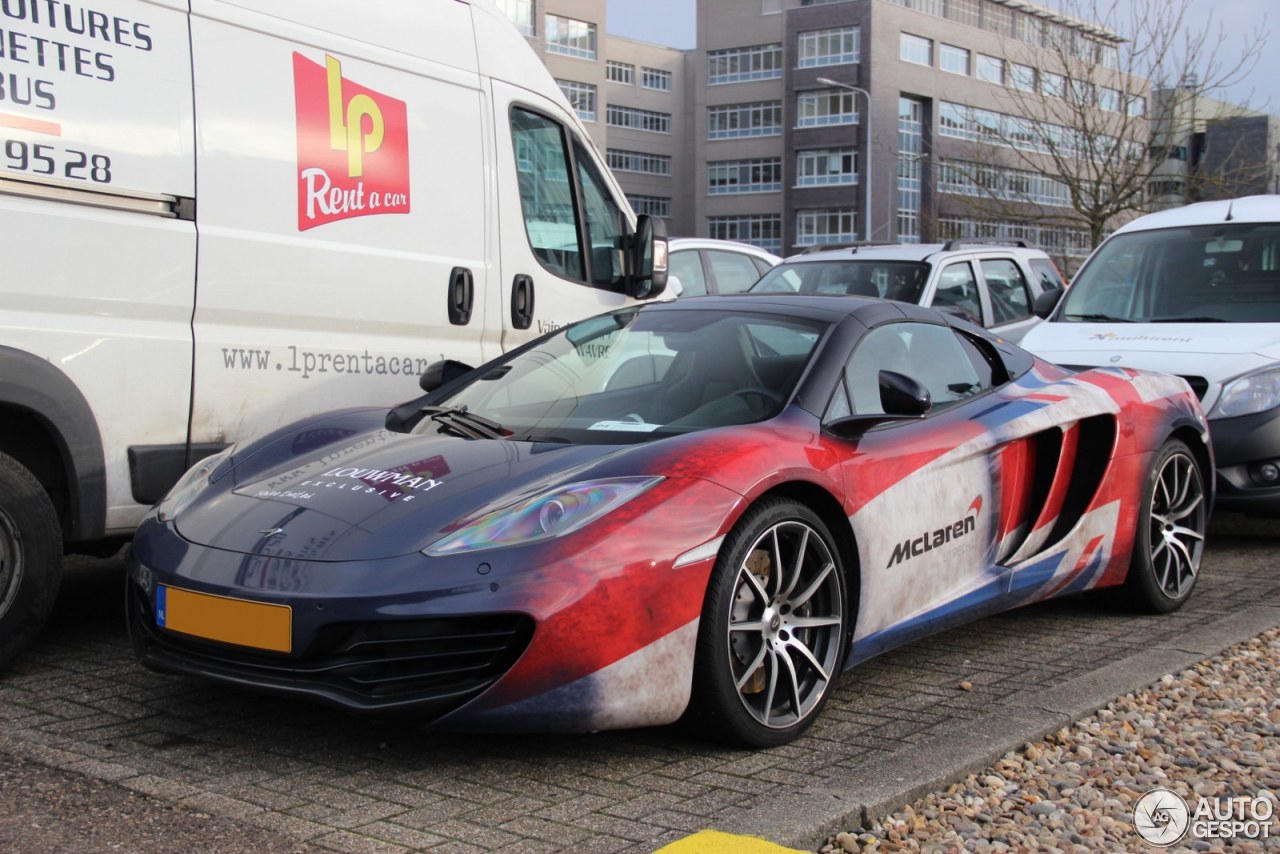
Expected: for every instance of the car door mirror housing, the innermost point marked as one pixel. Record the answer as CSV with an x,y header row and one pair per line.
x,y
902,398
1046,302
441,373
647,258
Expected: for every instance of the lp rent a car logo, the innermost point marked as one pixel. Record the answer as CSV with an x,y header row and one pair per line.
x,y
353,147
1163,818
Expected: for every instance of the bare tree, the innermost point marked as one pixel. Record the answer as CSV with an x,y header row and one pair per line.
x,y
1073,142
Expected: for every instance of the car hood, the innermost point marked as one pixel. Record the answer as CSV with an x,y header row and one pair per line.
x,y
1215,351
377,494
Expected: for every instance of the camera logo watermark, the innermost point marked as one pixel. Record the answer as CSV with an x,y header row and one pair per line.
x,y
1162,817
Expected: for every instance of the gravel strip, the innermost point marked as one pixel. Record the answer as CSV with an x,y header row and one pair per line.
x,y
1211,731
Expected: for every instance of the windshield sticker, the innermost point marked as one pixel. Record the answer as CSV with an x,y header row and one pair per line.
x,y
353,146
625,426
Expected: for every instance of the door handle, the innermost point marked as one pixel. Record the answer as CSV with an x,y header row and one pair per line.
x,y
462,295
522,301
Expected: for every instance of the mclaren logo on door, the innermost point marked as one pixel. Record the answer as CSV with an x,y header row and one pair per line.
x,y
935,539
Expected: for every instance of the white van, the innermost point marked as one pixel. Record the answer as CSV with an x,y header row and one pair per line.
x,y
1193,291
219,215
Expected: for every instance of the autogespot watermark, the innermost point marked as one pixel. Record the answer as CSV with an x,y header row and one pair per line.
x,y
1162,817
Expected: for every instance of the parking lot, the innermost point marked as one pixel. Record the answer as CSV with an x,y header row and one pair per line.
x,y
77,701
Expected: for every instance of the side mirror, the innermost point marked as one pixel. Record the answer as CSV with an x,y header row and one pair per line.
x,y
442,373
674,286
647,258
902,399
1046,302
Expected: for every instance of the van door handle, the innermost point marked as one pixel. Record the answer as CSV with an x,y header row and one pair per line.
x,y
522,301
462,295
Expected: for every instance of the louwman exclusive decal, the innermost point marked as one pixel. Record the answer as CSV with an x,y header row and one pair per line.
x,y
353,146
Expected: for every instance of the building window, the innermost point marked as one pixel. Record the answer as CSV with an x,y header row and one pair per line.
x,y
979,180
763,175
953,59
619,72
520,12
568,37
582,97
763,230
915,49
1109,99
1022,77
823,167
825,107
910,163
659,206
656,78
833,225
1136,106
989,69
744,120
1059,240
636,119
829,47
639,161
739,64
1053,85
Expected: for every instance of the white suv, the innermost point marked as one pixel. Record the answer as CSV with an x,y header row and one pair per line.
x,y
992,284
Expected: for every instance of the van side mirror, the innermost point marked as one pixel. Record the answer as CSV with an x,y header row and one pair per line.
x,y
647,258
442,373
1046,302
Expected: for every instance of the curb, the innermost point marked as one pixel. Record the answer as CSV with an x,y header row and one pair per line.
x,y
805,818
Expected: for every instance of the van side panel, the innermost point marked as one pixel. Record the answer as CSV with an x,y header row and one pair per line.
x,y
100,293
342,193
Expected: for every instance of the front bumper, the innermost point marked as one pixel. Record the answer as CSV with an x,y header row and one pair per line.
x,y
1240,447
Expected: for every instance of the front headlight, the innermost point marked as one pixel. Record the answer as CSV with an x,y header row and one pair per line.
x,y
553,513
190,484
1248,395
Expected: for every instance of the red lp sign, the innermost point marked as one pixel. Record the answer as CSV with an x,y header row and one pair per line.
x,y
353,146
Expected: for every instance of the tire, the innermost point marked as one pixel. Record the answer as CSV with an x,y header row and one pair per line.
x,y
30,557
1169,542
770,644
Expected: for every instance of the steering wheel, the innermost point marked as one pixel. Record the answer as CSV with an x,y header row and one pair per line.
x,y
767,394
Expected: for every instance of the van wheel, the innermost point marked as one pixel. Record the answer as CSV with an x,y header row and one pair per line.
x,y
771,641
1170,536
30,557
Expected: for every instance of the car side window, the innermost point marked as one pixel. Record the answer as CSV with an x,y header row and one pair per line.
x,y
550,202
1050,278
958,291
686,266
733,272
933,356
1007,288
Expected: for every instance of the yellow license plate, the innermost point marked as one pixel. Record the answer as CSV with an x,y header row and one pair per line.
x,y
256,624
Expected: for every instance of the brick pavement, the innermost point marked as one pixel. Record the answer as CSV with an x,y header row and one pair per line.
x,y
77,701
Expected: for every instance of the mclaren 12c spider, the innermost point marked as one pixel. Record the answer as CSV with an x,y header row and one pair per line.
x,y
703,509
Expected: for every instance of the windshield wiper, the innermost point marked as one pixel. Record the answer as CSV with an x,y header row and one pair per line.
x,y
1191,319
466,424
1097,318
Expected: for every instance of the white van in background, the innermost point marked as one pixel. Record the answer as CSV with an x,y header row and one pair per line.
x,y
218,215
1193,291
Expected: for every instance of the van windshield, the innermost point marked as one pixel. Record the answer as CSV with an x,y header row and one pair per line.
x,y
1223,273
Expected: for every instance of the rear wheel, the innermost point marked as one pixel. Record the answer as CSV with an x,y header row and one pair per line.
x,y
30,557
771,641
1171,529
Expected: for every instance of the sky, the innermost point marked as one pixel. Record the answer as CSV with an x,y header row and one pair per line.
x,y
673,23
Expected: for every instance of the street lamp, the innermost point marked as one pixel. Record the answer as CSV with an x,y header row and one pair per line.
x,y
866,159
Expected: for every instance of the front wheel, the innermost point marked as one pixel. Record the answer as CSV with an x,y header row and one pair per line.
x,y
771,641
1171,529
30,557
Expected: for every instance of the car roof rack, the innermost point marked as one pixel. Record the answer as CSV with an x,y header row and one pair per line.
x,y
855,245
959,242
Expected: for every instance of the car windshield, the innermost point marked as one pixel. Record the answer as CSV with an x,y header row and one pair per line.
x,y
636,375
1199,274
900,280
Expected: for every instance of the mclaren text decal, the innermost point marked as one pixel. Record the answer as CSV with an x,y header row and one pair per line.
x,y
936,539
353,147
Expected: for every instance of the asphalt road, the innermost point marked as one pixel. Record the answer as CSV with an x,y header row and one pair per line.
x,y
98,754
